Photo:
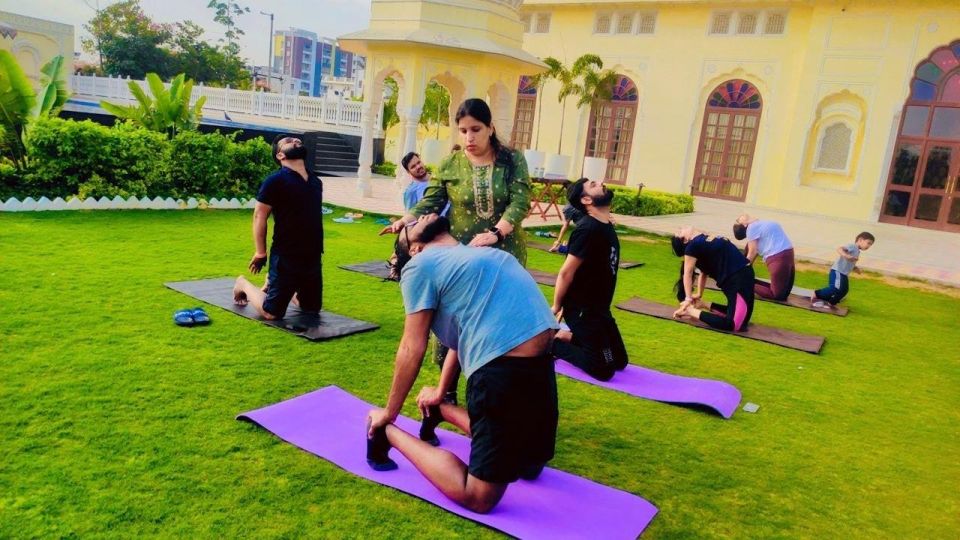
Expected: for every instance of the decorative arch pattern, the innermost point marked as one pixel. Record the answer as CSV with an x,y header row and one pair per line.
x,y
610,134
923,183
728,140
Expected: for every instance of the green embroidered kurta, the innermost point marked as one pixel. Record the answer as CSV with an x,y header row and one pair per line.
x,y
479,198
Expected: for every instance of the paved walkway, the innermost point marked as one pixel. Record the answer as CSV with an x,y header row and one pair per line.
x,y
902,251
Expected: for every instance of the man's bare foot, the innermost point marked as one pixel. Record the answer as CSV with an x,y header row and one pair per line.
x,y
239,297
680,312
564,335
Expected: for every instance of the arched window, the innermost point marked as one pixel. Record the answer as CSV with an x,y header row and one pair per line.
x,y
728,139
922,184
610,134
525,113
833,151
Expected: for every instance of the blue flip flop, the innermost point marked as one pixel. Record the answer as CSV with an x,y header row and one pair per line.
x,y
184,317
200,317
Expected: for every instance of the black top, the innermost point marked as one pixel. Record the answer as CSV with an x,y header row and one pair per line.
x,y
718,258
297,212
597,245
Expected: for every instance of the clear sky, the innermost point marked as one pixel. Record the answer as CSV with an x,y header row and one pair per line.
x,y
328,18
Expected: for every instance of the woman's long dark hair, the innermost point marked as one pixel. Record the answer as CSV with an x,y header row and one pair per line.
x,y
478,109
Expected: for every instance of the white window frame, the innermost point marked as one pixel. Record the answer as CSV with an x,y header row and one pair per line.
x,y
757,19
766,16
615,27
544,15
733,28
822,134
526,20
596,21
638,20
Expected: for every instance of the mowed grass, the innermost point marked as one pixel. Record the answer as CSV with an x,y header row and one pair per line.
x,y
116,423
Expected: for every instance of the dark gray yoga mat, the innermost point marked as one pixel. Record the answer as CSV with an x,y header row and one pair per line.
x,y
219,292
768,334
373,268
624,265
799,298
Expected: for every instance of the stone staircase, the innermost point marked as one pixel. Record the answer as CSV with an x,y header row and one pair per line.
x,y
332,154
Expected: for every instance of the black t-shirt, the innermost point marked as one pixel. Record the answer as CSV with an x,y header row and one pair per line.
x,y
718,258
297,212
597,245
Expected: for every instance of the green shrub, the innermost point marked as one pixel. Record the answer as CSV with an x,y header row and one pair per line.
x,y
65,155
649,202
90,160
10,179
387,168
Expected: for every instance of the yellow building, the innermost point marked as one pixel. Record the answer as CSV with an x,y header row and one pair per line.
x,y
848,109
34,42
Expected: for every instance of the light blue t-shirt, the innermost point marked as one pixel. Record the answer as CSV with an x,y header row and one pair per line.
x,y
843,266
485,303
413,194
769,236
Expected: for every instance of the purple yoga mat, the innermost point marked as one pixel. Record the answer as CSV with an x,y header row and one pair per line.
x,y
658,386
330,424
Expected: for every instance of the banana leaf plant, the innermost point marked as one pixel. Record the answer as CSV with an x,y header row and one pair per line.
x,y
168,111
20,103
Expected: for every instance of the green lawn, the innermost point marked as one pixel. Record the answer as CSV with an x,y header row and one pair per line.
x,y
117,423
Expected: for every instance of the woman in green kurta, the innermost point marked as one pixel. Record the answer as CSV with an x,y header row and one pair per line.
x,y
487,185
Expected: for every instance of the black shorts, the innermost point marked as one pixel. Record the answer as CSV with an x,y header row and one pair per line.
x,y
291,275
512,403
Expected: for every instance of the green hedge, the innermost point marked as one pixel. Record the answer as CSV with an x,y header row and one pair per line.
x,y
387,168
649,203
90,160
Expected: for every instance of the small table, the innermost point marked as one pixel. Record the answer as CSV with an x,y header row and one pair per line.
x,y
554,189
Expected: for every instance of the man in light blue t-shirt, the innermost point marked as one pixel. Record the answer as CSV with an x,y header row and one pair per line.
x,y
483,305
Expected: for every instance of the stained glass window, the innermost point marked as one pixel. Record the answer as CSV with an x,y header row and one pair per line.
x,y
526,86
735,94
624,90
931,73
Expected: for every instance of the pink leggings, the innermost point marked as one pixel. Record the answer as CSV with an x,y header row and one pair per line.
x,y
782,272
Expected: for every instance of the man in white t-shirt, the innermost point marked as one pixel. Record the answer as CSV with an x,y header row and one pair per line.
x,y
767,239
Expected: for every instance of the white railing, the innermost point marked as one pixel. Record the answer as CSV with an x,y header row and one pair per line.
x,y
330,112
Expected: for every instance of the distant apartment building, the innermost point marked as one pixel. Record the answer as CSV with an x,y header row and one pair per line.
x,y
308,64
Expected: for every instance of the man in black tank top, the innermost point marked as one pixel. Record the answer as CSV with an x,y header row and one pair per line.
x,y
585,286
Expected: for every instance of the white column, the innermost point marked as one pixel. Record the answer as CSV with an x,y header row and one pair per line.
x,y
367,118
409,125
576,164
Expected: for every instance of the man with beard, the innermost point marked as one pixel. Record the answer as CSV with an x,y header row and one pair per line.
x,y
585,286
482,304
295,198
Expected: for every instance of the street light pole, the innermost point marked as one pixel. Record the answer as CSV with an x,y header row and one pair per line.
x,y
270,54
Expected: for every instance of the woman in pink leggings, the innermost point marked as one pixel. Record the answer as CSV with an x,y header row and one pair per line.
x,y
718,258
767,239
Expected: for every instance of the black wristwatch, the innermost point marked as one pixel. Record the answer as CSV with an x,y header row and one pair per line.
x,y
497,232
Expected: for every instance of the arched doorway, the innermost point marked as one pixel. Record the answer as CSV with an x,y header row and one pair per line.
x,y
523,118
610,133
728,140
922,188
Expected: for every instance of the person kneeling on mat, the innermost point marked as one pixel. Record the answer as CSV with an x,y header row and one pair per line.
x,y
295,198
720,259
482,304
767,239
585,286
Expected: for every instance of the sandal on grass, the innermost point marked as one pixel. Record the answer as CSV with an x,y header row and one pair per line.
x,y
184,317
200,317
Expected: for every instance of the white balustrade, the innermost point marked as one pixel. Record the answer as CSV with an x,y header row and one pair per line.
x,y
334,112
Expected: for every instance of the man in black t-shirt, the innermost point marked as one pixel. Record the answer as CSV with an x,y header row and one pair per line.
x,y
585,286
295,198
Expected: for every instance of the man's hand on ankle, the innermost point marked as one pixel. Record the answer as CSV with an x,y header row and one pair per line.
x,y
378,419
429,397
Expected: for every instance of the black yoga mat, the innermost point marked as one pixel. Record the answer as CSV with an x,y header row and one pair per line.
x,y
373,268
219,292
768,334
